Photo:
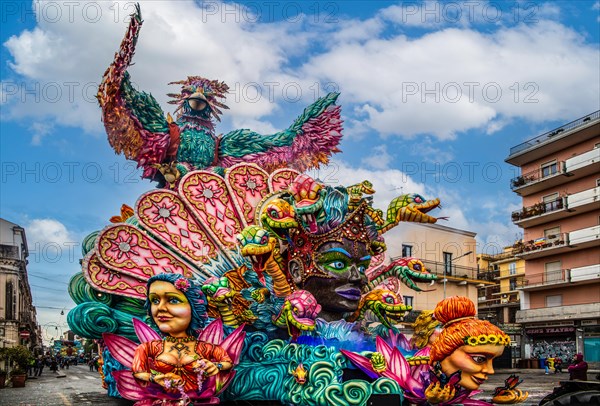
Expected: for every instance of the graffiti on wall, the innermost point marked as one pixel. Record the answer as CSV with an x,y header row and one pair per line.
x,y
564,350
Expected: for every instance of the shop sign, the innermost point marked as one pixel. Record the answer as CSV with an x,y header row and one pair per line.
x,y
549,330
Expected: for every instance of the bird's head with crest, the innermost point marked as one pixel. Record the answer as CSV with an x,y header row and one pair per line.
x,y
200,97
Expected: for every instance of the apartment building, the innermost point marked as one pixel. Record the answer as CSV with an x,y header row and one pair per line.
x,y
18,321
499,303
560,190
445,251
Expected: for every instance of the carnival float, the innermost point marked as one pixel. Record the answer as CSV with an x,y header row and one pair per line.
x,y
240,277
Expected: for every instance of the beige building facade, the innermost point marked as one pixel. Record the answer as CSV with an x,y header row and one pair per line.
x,y
18,322
448,252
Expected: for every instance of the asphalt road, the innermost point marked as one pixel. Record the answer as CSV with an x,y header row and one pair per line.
x,y
80,386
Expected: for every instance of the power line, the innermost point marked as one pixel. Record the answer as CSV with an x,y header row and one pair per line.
x,y
46,288
47,279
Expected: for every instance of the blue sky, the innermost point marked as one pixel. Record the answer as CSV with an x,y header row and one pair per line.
x,y
433,96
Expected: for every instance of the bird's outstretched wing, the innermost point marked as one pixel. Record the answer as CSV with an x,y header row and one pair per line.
x,y
306,144
135,124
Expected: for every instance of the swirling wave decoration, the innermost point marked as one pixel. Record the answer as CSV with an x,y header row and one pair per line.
x,y
89,242
92,319
265,372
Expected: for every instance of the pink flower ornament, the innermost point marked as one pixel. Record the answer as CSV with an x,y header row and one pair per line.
x,y
182,284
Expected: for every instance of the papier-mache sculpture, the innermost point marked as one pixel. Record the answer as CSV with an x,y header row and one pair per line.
x,y
242,278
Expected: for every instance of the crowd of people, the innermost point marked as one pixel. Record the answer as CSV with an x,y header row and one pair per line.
x,y
577,368
54,363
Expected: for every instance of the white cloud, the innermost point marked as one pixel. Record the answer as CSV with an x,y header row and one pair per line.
x,y
453,80
42,232
40,131
60,63
379,158
442,82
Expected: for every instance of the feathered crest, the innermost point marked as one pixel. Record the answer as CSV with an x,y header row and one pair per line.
x,y
212,90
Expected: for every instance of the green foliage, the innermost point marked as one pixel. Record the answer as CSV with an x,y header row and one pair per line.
x,y
19,357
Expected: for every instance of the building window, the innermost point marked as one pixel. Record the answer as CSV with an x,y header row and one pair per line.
x,y
447,263
512,268
512,283
552,234
408,300
406,250
549,168
554,300
9,304
552,272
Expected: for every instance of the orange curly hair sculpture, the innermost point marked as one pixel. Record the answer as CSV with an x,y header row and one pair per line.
x,y
460,327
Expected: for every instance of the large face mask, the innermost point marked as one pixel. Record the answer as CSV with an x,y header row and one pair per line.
x,y
345,264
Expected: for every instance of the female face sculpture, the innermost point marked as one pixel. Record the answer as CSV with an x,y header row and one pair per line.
x,y
345,264
170,309
475,362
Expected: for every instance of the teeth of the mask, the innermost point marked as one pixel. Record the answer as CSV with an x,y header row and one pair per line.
x,y
432,283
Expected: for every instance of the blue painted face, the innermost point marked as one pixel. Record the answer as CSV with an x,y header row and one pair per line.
x,y
345,262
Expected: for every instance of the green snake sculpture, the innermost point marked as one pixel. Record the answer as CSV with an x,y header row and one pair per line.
x,y
298,313
278,217
411,208
227,303
355,197
308,201
385,304
262,250
409,271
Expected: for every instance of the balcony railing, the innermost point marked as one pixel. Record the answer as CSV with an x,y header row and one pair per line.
x,y
534,142
583,160
554,240
458,271
551,277
538,209
537,175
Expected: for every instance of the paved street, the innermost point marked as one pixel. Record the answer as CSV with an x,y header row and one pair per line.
x,y
79,386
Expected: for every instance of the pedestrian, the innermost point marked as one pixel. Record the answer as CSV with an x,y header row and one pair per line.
x,y
31,367
557,365
549,364
39,366
91,364
578,370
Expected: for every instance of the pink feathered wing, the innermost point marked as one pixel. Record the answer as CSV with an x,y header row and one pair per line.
x,y
123,350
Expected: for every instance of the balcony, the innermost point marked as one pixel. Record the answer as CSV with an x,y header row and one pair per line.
x,y
540,179
539,213
559,313
563,207
541,247
546,279
558,139
585,273
553,279
453,272
585,238
584,164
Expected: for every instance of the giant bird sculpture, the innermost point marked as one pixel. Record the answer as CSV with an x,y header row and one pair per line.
x,y
138,128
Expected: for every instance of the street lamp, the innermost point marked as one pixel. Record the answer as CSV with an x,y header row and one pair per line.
x,y
450,264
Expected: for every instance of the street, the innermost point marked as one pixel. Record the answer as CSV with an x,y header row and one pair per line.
x,y
80,386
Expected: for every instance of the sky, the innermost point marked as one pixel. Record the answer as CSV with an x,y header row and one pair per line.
x,y
433,96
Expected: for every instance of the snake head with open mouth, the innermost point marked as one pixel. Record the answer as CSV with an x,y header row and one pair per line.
x,y
298,313
385,304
